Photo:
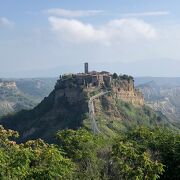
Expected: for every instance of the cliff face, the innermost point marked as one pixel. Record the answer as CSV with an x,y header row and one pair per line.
x,y
124,90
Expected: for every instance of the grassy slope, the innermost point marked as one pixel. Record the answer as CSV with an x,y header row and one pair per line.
x,y
128,117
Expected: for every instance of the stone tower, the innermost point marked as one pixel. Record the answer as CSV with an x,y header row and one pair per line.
x,y
86,68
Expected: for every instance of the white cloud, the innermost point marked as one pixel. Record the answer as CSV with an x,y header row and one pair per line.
x,y
133,28
72,13
6,22
112,32
75,30
143,14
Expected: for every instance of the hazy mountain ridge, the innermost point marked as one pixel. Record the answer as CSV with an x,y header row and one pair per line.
x,y
37,87
18,94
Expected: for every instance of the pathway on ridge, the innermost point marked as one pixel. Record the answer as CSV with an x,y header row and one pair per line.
x,y
92,112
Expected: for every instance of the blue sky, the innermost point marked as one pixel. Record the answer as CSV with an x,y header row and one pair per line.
x,y
51,37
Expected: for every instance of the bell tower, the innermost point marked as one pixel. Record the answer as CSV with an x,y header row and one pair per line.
x,y
86,68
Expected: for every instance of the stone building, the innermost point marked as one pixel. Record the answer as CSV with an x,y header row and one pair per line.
x,y
93,79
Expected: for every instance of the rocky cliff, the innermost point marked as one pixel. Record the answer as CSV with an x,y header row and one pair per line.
x,y
124,89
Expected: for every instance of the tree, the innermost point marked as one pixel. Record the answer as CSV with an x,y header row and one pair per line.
x,y
115,76
81,146
130,162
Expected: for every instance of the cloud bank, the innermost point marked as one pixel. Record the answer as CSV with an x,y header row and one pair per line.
x,y
114,31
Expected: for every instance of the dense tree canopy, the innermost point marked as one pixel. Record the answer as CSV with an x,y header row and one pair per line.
x,y
164,144
140,154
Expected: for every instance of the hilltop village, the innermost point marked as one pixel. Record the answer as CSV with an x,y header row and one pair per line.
x,y
122,86
92,78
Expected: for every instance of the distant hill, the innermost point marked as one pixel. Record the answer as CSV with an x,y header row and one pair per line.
x,y
163,94
162,81
67,107
36,87
18,94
